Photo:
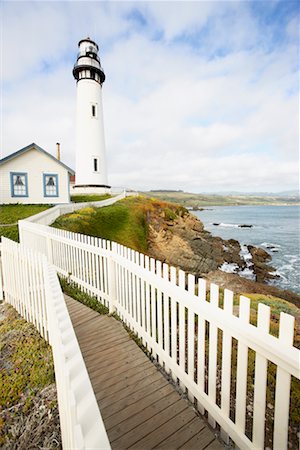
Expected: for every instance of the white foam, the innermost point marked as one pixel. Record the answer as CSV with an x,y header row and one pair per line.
x,y
229,267
247,273
228,225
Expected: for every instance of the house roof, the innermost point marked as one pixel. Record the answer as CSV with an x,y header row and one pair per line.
x,y
39,149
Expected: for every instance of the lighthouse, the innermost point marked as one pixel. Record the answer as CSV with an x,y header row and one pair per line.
x,y
91,175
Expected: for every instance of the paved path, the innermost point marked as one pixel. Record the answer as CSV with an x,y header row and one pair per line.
x,y
140,408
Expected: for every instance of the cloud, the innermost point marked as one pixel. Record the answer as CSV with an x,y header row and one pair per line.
x,y
198,96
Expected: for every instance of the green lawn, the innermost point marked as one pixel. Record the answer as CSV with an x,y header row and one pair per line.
x,y
119,222
89,198
10,214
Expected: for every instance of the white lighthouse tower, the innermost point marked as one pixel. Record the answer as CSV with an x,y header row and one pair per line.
x,y
91,176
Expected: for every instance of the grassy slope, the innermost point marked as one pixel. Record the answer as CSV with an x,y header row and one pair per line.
x,y
123,222
10,214
202,200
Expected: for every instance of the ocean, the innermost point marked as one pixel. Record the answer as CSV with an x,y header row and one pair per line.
x,y
274,228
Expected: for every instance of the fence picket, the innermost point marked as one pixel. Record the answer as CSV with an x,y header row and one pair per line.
x,y
159,309
283,384
212,353
260,381
226,362
191,334
201,344
166,324
182,327
242,366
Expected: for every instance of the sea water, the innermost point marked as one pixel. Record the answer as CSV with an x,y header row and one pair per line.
x,y
274,228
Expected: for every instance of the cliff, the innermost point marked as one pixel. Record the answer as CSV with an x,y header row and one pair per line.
x,y
168,232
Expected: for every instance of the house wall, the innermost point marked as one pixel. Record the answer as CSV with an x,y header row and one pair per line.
x,y
35,164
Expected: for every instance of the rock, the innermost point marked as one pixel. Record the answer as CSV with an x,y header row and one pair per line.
x,y
241,285
216,224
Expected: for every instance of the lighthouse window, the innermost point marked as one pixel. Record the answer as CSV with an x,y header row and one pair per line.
x,y
94,110
18,184
96,165
50,185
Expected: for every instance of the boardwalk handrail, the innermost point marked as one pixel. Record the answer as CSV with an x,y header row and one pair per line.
x,y
49,215
202,342
31,286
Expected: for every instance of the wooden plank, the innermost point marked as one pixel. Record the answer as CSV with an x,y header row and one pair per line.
x,y
112,357
108,373
167,429
110,354
136,427
111,380
182,435
214,445
200,441
132,396
138,408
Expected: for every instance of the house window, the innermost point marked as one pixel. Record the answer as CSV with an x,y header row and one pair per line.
x,y
50,185
96,164
19,184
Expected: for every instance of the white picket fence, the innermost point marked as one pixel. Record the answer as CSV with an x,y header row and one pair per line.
x,y
31,286
204,344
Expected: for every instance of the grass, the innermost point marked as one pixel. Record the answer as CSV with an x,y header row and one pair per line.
x,y
10,214
71,288
89,198
26,371
125,222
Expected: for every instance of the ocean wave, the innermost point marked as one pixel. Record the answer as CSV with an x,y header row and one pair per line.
x,y
247,273
229,267
269,245
232,225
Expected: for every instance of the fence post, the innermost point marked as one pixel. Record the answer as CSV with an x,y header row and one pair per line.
x,y
49,249
1,282
112,282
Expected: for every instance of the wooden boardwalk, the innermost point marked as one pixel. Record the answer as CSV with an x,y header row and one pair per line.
x,y
140,408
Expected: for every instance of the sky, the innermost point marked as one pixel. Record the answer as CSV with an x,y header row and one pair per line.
x,y
200,96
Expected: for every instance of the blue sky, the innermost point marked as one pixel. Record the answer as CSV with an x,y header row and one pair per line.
x,y
200,96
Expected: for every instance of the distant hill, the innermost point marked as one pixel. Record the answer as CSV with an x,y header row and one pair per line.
x,y
195,201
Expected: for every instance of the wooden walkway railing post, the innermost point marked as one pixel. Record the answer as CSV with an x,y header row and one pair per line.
x,y
112,279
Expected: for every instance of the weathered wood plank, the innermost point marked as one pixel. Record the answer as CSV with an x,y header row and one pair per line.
x,y
200,441
153,439
183,434
139,407
114,404
138,426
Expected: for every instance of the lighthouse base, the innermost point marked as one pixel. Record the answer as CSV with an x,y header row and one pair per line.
x,y
90,189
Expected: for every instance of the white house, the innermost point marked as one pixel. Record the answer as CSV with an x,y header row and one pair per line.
x,y
32,175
